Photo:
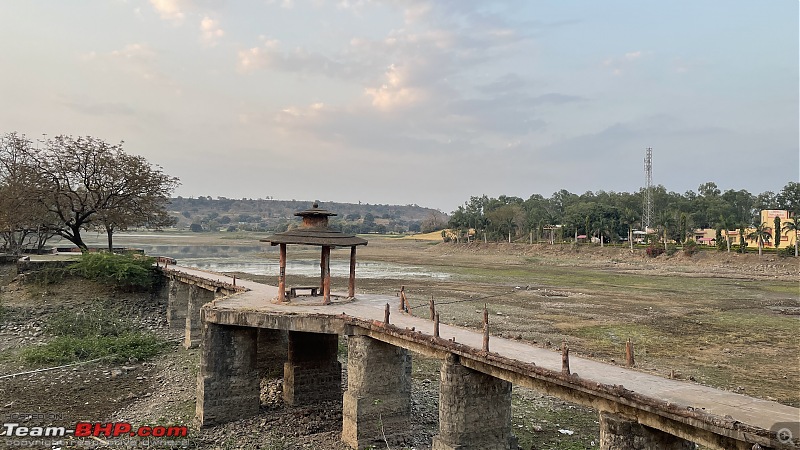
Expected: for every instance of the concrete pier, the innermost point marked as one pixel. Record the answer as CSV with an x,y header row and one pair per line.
x,y
377,403
194,327
228,382
177,304
273,349
474,410
619,433
312,372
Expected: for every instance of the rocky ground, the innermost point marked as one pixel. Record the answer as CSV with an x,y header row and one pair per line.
x,y
162,391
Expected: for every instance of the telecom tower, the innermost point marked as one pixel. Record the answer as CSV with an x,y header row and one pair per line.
x,y
647,209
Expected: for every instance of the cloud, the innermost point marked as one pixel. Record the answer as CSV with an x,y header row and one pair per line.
x,y
271,56
87,106
135,59
211,31
395,92
620,65
169,9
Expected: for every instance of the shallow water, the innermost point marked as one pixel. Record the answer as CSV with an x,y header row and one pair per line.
x,y
263,260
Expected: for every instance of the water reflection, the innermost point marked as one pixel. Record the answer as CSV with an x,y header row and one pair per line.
x,y
263,260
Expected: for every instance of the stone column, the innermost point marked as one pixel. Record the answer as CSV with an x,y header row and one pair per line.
x,y
351,285
177,303
474,410
619,433
377,401
326,275
282,274
312,373
228,383
272,350
194,328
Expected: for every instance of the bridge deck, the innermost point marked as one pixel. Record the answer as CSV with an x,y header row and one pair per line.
x,y
754,412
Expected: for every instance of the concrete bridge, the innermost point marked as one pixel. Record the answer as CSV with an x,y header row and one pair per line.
x,y
242,328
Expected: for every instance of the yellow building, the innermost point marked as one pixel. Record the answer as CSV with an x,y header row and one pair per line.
x,y
707,236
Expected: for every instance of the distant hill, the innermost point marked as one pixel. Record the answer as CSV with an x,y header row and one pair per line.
x,y
226,214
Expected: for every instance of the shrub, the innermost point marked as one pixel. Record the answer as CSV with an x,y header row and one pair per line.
x,y
690,248
654,250
671,249
786,251
130,272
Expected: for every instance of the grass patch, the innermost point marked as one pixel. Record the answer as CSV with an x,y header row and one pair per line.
x,y
121,348
94,332
788,288
130,272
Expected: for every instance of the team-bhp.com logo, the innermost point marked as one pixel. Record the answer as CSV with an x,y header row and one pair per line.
x,y
96,429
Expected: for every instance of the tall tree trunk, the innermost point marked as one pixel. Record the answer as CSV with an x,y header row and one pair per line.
x,y
728,240
630,237
110,233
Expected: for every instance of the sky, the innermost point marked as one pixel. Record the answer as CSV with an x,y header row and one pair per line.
x,y
415,101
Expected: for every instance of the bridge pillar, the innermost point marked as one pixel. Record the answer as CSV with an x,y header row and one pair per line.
x,y
474,410
194,327
377,402
272,351
619,433
177,304
228,382
312,372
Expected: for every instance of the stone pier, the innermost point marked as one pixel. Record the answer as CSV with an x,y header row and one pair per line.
x,y
194,327
228,382
272,352
312,373
619,433
377,403
474,410
177,304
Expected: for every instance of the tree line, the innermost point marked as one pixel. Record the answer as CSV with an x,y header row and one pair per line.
x,y
64,185
612,216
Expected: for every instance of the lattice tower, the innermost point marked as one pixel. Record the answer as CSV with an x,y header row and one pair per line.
x,y
647,207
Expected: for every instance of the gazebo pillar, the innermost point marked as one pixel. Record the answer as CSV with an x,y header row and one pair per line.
x,y
282,276
351,285
326,274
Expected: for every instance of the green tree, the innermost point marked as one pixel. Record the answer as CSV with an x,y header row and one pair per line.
x,y
760,234
776,230
725,224
742,241
789,226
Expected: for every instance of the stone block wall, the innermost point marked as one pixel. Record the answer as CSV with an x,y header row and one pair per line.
x,y
228,382
312,373
194,327
619,433
377,403
177,304
272,351
474,410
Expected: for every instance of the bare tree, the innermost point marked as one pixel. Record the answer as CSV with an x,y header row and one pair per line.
x,y
86,182
138,198
23,221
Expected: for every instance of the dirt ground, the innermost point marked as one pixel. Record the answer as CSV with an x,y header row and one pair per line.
x,y
724,320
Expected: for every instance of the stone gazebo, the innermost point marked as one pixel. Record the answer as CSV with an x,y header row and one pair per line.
x,y
314,231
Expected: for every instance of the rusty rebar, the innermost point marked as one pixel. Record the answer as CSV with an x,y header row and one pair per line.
x,y
565,358
432,307
436,325
386,315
